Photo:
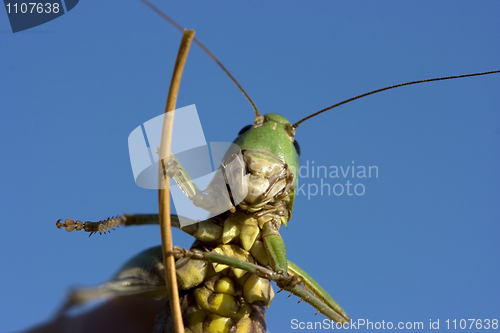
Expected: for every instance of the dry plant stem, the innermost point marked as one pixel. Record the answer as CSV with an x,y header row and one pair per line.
x,y
164,193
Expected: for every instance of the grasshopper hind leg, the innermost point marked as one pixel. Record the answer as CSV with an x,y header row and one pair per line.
x,y
143,275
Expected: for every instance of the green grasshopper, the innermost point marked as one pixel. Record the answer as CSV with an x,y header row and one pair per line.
x,y
274,129
250,233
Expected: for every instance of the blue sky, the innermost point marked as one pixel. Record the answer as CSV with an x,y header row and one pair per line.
x,y
422,242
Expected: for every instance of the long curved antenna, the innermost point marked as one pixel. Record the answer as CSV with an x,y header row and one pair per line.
x,y
387,88
204,48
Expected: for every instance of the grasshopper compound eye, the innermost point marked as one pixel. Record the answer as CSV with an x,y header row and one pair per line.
x,y
297,147
244,129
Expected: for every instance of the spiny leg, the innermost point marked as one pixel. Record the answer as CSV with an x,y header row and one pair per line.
x,y
104,226
295,283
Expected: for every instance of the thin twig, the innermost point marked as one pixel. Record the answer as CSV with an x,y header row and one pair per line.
x,y
164,194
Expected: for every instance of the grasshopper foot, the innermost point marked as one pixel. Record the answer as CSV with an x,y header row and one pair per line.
x,y
92,227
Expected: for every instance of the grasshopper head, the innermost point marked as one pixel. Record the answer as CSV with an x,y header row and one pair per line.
x,y
273,134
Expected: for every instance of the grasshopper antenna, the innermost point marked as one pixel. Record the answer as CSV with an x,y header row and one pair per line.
x,y
204,48
387,88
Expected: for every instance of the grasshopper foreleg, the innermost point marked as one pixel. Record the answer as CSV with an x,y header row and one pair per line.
x,y
298,282
104,226
215,198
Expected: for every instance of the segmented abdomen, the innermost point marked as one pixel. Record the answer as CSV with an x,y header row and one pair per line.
x,y
217,297
226,301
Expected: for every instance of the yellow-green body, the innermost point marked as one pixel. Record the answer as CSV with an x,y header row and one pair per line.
x,y
228,294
